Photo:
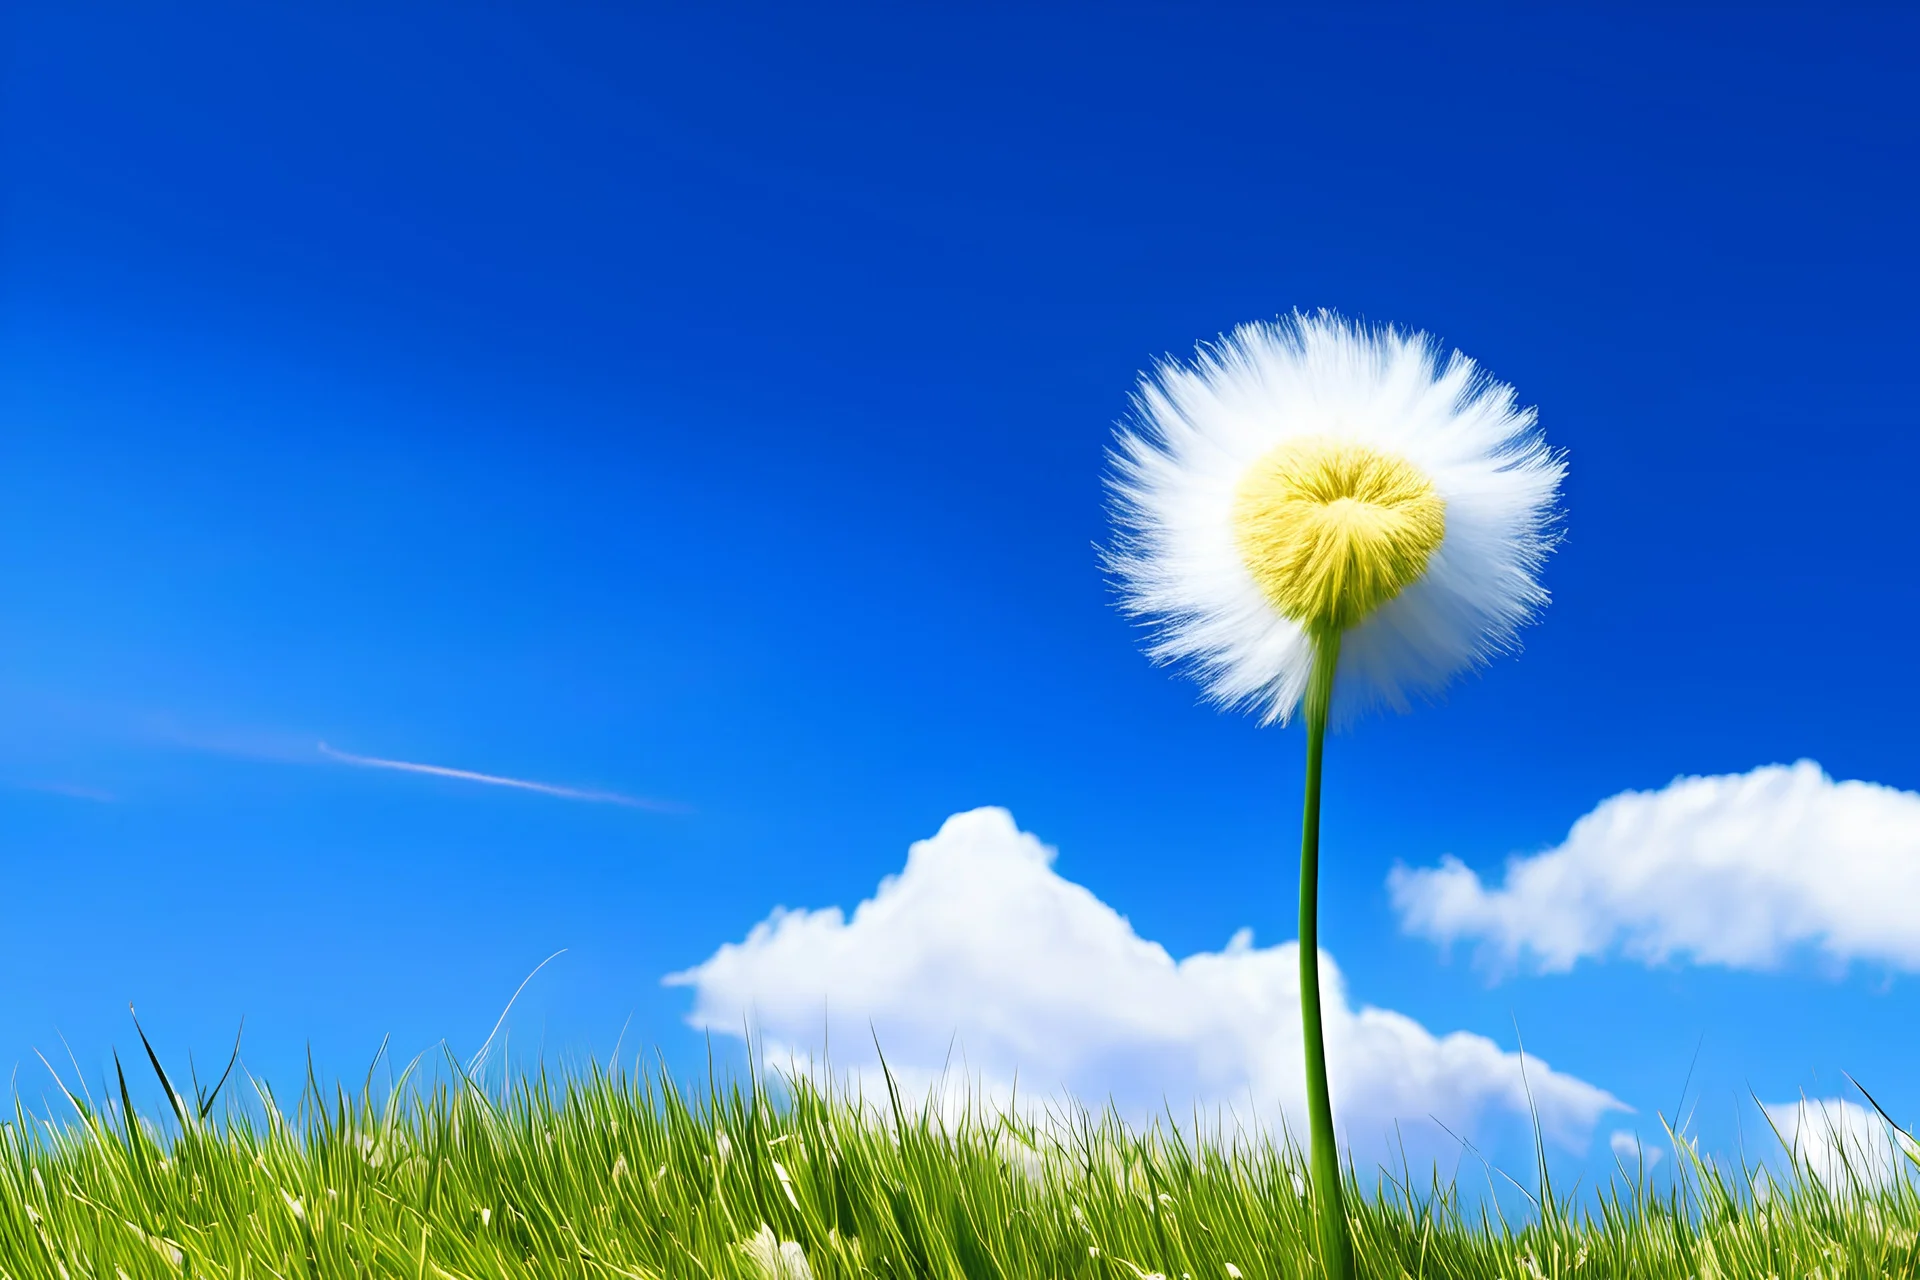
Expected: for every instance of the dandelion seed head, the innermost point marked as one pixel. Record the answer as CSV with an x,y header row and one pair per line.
x,y
1331,530
1313,473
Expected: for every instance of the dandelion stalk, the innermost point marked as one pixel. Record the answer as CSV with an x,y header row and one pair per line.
x,y
1336,1249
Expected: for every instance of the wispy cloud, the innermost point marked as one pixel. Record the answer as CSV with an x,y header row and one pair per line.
x,y
496,780
71,791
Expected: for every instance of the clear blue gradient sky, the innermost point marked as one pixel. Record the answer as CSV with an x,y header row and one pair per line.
x,y
710,407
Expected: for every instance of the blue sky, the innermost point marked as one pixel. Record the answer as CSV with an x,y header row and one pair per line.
x,y
710,408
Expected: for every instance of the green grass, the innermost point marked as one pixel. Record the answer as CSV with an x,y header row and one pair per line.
x,y
593,1175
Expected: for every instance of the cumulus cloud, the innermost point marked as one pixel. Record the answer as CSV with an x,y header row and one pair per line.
x,y
1738,870
1841,1143
979,953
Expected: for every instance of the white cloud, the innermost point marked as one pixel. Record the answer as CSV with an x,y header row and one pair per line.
x,y
1737,870
1843,1144
1629,1151
978,952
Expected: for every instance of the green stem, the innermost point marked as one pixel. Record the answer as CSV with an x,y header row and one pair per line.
x,y
1336,1248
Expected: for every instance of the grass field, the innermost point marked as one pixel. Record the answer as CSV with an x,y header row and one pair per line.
x,y
594,1175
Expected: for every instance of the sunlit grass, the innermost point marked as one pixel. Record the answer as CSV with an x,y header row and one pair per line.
x,y
599,1175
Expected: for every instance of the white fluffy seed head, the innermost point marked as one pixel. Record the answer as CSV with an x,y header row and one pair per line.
x,y
1199,426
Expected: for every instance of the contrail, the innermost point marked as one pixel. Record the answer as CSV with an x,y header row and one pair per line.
x,y
494,780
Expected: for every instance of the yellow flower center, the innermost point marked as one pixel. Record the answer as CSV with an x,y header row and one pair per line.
x,y
1332,530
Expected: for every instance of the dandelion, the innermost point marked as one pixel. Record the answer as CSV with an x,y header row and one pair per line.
x,y
1314,512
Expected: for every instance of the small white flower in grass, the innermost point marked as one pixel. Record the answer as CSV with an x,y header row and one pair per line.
x,y
1233,1272
774,1258
722,1145
1316,473
294,1206
786,1183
